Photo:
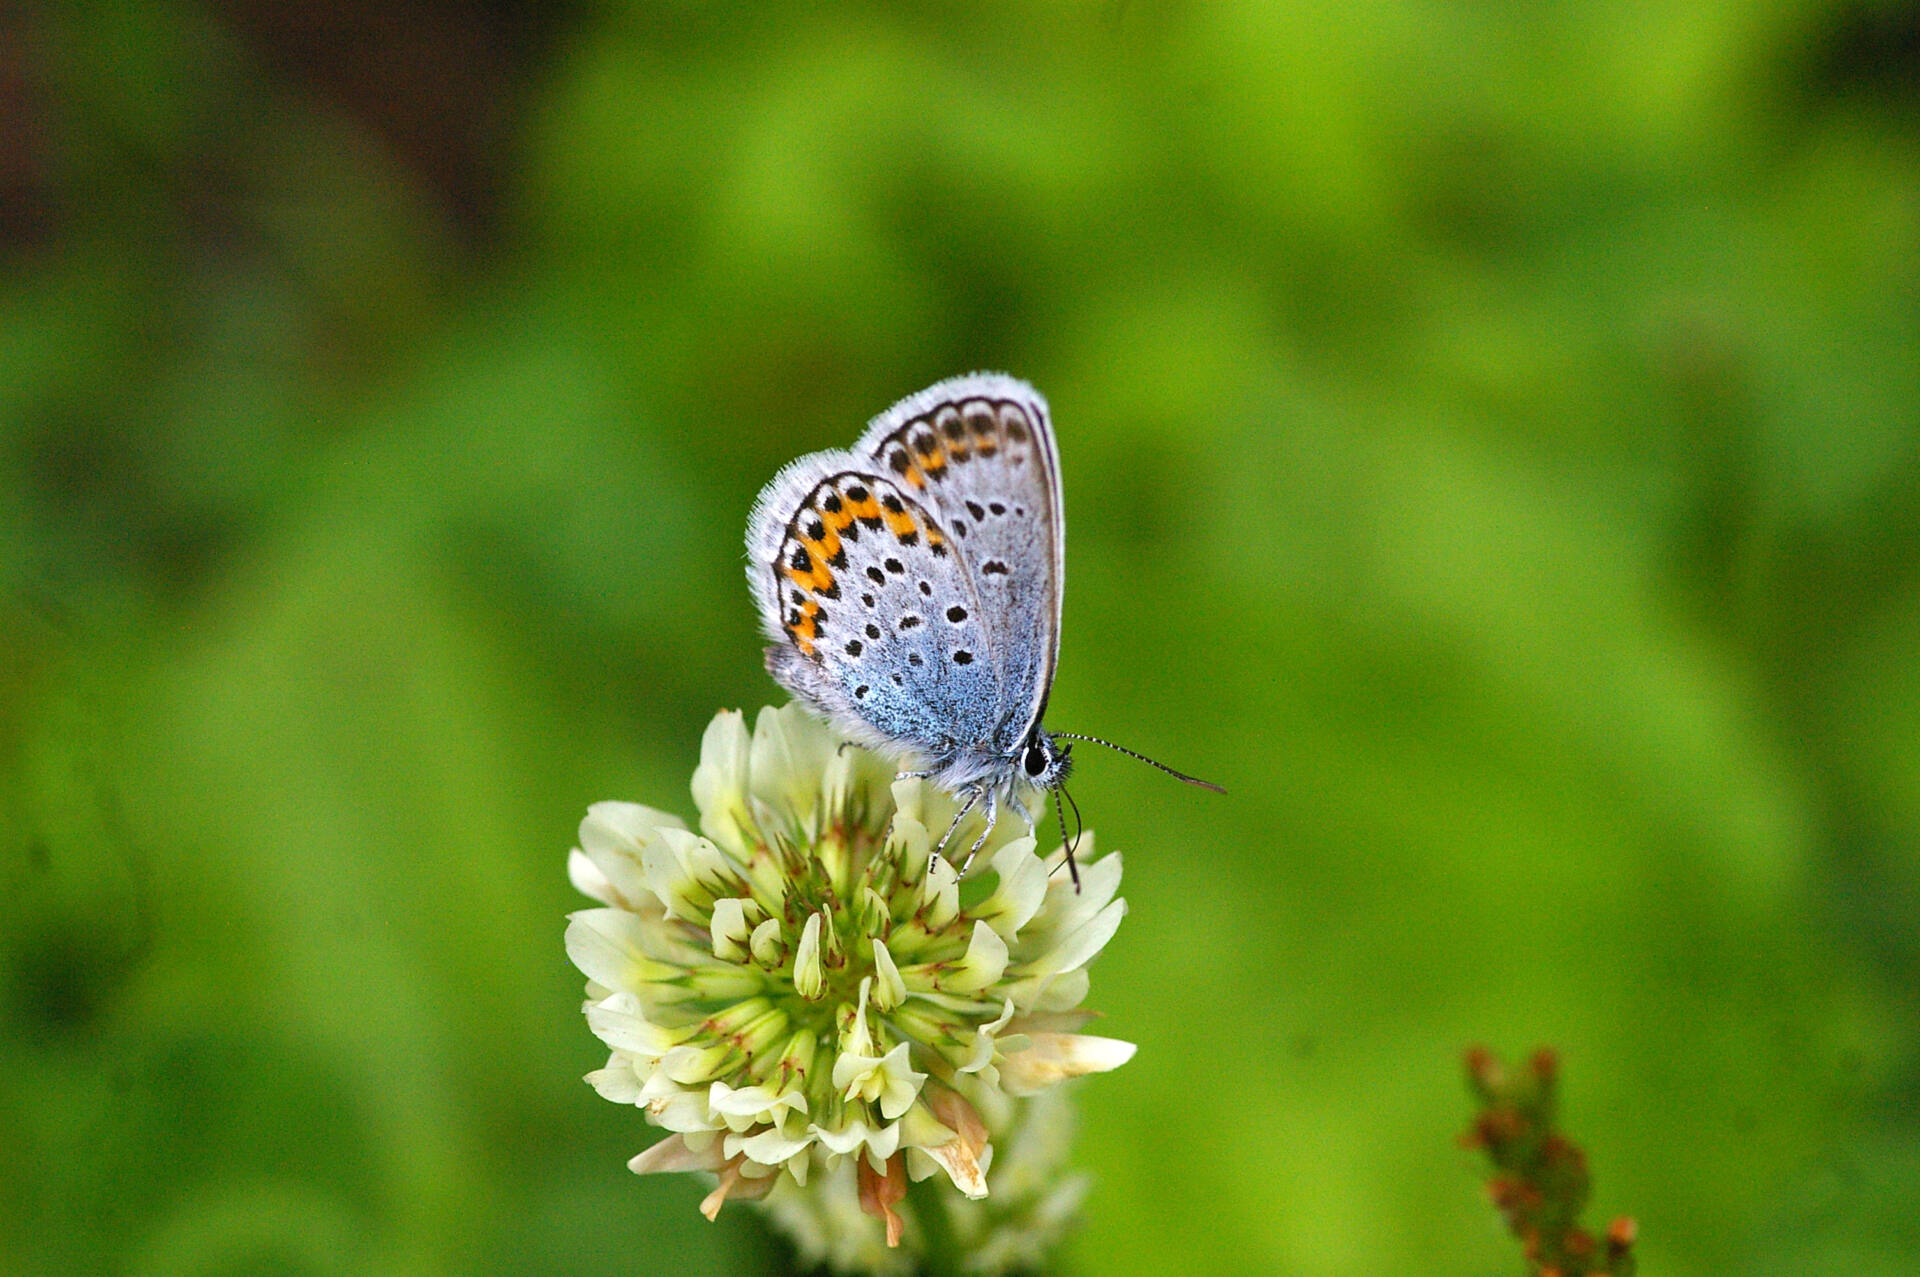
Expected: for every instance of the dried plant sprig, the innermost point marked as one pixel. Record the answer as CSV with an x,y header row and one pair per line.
x,y
1540,1182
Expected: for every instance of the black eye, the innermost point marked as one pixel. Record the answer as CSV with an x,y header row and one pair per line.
x,y
1035,761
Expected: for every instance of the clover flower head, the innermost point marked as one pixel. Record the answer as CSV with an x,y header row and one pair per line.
x,y
816,1008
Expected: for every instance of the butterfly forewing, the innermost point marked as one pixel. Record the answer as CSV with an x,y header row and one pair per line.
x,y
979,450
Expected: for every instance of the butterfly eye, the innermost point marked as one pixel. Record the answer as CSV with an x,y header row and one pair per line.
x,y
1036,760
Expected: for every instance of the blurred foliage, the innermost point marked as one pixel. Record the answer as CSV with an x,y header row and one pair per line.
x,y
1492,438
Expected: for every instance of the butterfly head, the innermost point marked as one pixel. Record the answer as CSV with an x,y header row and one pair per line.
x,y
1044,762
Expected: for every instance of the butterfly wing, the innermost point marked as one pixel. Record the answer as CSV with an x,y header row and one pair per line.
x,y
979,451
872,612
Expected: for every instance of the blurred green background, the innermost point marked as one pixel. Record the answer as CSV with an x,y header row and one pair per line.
x,y
1492,442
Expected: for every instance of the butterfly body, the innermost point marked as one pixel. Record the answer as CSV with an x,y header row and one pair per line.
x,y
911,586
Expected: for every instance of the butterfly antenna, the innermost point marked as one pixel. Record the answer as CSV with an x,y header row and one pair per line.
x,y
1122,749
1072,868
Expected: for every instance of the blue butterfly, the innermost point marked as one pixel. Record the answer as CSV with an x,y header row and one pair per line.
x,y
911,588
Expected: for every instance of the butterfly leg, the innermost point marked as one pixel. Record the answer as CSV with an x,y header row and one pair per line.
x,y
992,816
973,798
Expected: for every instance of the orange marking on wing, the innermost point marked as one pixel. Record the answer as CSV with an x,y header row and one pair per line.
x,y
868,509
806,629
900,524
840,520
914,477
820,578
824,549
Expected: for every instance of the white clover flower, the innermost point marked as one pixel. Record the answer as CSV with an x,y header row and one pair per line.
x,y
803,994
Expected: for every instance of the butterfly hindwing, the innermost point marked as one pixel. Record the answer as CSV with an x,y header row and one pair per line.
x,y
877,622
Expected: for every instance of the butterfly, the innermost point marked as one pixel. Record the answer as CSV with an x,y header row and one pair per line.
x,y
911,587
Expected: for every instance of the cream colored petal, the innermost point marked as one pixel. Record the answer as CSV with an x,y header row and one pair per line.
x,y
770,1147
1065,909
693,1065
809,976
1081,946
986,959
1054,1057
889,1080
672,1154
610,947
587,878
682,1110
889,990
757,1102
1020,891
687,872
940,894
790,752
617,1021
729,930
618,1081
980,1054
855,1134
766,946
612,838
720,783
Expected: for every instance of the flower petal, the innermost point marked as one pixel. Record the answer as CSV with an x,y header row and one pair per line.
x,y
618,1021
756,1103
889,1080
986,960
687,872
879,1191
1083,945
1021,888
889,990
618,1081
720,784
610,948
790,752
771,1148
1054,1057
961,1157
766,944
728,927
855,1134
940,894
672,1154
809,977
981,1053
612,838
